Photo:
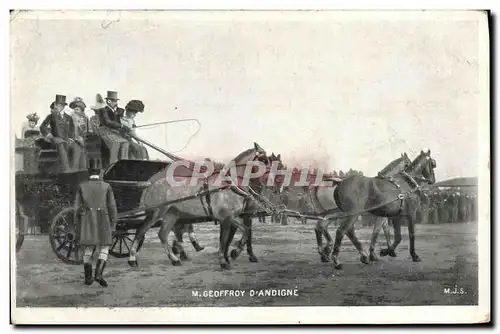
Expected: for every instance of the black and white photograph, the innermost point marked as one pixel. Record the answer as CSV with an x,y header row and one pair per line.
x,y
278,167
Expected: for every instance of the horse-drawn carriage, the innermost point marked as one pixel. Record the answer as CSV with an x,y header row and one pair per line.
x,y
40,185
44,196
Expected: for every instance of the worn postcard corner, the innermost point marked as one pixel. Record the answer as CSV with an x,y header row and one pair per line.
x,y
252,167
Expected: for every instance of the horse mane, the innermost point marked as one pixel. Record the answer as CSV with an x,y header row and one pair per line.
x,y
415,164
244,153
391,166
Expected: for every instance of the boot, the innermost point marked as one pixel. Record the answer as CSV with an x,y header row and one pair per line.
x,y
101,264
88,273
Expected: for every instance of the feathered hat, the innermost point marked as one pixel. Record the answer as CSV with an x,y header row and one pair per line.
x,y
33,117
99,103
135,106
77,103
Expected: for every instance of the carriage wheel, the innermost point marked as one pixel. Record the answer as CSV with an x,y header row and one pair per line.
x,y
64,239
20,226
122,241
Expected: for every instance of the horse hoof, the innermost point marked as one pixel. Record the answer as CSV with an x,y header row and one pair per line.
x,y
224,266
184,256
339,266
384,252
392,253
374,257
133,264
176,263
364,259
416,258
325,258
253,259
234,254
199,248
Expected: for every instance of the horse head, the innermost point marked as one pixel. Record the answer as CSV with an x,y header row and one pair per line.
x,y
424,166
277,187
396,166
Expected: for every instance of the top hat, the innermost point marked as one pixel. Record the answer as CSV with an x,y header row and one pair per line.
x,y
112,95
60,99
94,166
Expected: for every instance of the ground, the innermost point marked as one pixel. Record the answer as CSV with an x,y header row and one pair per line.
x,y
288,260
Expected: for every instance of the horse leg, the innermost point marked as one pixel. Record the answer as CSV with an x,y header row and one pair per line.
x,y
139,235
345,225
193,239
351,234
225,230
168,223
387,231
391,250
379,223
411,232
178,232
247,221
319,230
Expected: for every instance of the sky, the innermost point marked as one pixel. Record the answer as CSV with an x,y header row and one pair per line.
x,y
348,93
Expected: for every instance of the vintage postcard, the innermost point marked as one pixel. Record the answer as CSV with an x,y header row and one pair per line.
x,y
250,167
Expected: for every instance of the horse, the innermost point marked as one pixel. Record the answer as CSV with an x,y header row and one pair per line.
x,y
228,202
246,239
390,170
396,197
323,196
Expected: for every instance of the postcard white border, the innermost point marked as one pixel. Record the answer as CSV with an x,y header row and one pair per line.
x,y
304,315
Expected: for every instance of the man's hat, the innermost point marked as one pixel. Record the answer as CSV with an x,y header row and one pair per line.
x,y
112,95
94,166
60,99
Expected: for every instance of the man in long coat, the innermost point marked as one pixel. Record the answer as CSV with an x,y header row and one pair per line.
x,y
96,214
111,130
59,129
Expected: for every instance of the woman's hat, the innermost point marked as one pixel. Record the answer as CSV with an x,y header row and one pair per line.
x,y
77,103
99,103
33,117
135,106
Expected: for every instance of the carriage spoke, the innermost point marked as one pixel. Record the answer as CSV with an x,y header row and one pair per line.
x,y
121,241
61,246
70,249
58,228
127,246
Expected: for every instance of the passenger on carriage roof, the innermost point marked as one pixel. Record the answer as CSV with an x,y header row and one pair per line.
x,y
81,122
30,129
111,130
61,133
136,150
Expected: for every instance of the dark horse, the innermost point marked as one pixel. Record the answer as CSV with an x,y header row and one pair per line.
x,y
396,197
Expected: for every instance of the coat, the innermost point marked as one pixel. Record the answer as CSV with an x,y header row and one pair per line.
x,y
110,124
96,213
61,126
